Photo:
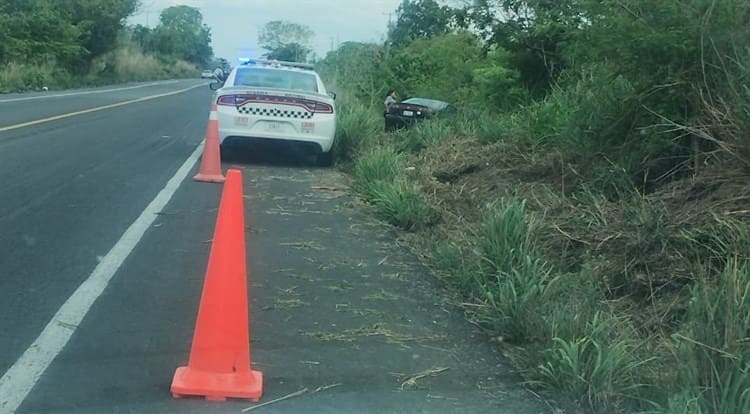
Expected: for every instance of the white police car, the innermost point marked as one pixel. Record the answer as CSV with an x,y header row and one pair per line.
x,y
263,101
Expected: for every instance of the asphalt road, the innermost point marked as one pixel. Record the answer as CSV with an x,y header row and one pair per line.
x,y
337,307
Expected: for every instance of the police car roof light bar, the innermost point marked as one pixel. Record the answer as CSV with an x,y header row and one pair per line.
x,y
278,63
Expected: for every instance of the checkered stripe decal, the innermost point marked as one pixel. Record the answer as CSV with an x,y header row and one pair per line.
x,y
281,113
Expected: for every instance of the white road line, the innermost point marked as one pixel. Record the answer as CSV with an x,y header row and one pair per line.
x,y
18,381
60,95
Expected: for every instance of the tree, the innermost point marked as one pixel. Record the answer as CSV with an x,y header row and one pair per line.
x,y
421,19
141,35
99,21
441,67
181,34
534,31
34,31
286,41
359,66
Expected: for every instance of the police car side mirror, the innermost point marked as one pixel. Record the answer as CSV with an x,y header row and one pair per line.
x,y
215,85
332,95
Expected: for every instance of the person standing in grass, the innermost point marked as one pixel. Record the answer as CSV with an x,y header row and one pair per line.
x,y
390,99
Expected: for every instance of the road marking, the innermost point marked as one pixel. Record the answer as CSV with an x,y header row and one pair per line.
x,y
18,381
98,108
59,95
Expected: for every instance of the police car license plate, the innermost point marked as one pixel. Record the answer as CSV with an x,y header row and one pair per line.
x,y
273,126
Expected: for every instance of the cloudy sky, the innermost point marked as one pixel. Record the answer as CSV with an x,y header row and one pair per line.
x,y
234,23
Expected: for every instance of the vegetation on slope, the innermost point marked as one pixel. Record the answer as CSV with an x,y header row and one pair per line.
x,y
590,198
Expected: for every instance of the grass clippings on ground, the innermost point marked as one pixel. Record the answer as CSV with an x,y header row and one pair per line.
x,y
306,245
384,295
287,304
376,330
411,382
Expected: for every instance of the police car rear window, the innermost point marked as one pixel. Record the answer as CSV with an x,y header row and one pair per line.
x,y
274,78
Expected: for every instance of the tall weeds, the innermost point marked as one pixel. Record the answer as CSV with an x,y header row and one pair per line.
x,y
381,179
510,277
604,365
713,348
356,127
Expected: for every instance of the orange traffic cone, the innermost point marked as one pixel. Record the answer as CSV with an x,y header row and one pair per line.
x,y
219,366
211,160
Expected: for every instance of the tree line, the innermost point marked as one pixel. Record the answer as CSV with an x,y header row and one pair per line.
x,y
72,42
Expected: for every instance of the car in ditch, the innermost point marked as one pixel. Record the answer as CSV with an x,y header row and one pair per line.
x,y
410,111
263,101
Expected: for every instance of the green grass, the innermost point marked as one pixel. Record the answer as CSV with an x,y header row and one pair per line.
x,y
604,366
506,237
506,275
422,135
713,349
374,166
356,127
401,204
381,179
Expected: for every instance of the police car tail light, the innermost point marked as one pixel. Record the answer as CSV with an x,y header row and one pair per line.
x,y
230,100
320,107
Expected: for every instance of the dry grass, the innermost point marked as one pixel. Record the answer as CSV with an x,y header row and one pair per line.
x,y
414,381
376,330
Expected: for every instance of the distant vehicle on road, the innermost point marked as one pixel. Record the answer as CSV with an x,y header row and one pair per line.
x,y
282,102
410,111
207,74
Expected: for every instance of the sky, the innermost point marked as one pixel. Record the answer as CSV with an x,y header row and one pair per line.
x,y
235,23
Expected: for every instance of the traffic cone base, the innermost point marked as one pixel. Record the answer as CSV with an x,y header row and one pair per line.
x,y
217,386
211,178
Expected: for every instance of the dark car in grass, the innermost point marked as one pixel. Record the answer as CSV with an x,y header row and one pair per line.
x,y
410,111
